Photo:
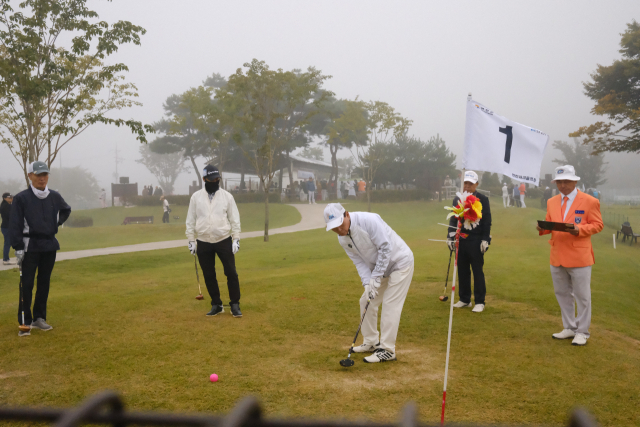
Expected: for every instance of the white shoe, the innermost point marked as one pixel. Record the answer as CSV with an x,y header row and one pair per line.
x,y
566,333
461,304
8,263
580,339
380,355
479,308
366,348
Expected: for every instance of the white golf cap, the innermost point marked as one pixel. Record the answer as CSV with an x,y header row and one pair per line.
x,y
565,172
333,215
470,176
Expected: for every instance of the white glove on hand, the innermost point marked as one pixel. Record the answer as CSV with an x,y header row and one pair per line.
x,y
192,248
451,244
235,246
373,286
484,246
19,256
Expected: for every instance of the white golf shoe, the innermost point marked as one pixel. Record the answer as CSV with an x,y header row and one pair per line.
x,y
381,355
366,348
566,333
479,308
461,304
580,339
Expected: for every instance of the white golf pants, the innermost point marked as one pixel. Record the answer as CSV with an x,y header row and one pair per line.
x,y
505,201
312,196
573,288
522,205
392,293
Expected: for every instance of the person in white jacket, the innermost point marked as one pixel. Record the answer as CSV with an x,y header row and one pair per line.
x,y
213,228
505,195
385,265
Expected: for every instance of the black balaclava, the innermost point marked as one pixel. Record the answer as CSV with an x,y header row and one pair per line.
x,y
212,187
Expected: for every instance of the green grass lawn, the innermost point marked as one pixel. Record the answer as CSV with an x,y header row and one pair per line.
x,y
107,230
131,323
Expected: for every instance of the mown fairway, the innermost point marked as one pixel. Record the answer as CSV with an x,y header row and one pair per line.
x,y
131,323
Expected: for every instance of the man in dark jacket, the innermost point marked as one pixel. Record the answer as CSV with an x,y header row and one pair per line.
x,y
5,212
36,214
474,243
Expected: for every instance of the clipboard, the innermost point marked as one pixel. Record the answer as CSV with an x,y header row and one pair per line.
x,y
556,226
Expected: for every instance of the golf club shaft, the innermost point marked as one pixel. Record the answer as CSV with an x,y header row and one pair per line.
x,y
359,327
195,264
21,298
446,280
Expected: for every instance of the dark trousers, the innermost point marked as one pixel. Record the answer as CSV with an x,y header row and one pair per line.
x,y
207,258
165,217
471,258
7,244
42,262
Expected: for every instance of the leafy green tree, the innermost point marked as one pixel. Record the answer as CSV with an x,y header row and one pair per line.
x,y
615,90
314,153
269,111
78,186
590,168
385,126
490,182
165,167
50,93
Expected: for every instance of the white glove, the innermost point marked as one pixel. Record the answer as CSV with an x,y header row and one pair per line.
x,y
372,287
484,246
19,256
235,246
192,248
451,244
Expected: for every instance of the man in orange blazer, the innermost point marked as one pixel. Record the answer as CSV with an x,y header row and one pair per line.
x,y
571,253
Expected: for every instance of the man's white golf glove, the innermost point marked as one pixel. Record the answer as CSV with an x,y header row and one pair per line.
x,y
372,287
451,244
484,246
192,248
19,256
235,247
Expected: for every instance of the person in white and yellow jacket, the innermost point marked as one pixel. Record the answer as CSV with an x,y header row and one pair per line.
x,y
213,228
385,266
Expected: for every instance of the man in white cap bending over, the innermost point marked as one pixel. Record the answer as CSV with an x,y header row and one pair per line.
x,y
385,265
572,253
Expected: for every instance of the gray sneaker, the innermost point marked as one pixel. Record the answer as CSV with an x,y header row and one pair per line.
x,y
41,324
24,333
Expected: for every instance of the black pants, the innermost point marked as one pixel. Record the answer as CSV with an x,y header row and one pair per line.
x,y
207,257
43,262
471,258
165,217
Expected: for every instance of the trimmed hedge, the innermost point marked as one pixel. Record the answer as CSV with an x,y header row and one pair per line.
x,y
79,221
393,196
183,199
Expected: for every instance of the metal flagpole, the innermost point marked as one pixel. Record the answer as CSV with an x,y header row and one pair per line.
x,y
453,292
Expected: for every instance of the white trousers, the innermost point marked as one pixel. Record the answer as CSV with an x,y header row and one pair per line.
x,y
392,293
573,288
505,201
312,196
522,201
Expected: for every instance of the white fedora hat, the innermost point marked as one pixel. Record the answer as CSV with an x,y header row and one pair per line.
x,y
565,172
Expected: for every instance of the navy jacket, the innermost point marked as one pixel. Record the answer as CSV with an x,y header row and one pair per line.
x,y
5,212
483,230
37,220
311,186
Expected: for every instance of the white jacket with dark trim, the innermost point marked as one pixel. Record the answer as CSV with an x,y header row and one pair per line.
x,y
375,249
212,220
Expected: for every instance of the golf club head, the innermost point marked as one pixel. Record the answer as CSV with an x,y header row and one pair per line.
x,y
24,328
200,297
347,363
443,298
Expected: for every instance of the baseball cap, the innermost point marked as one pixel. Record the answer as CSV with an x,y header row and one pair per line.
x,y
470,176
210,172
567,172
37,168
333,215
5,195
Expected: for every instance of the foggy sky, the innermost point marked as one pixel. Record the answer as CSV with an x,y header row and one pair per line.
x,y
526,61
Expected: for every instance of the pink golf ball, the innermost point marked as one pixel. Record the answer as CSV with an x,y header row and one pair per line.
x,y
213,378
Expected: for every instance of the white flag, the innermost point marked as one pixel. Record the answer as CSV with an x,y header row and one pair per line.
x,y
494,143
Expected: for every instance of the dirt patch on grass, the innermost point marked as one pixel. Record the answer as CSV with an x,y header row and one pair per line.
x,y
16,374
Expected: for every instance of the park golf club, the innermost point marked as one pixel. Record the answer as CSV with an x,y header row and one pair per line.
x,y
22,327
349,361
195,264
444,296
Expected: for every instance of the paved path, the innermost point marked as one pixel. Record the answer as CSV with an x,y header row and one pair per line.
x,y
312,218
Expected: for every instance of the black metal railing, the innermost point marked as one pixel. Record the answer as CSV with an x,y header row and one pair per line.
x,y
107,408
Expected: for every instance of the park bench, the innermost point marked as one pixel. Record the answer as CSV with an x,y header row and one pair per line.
x,y
627,231
138,220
